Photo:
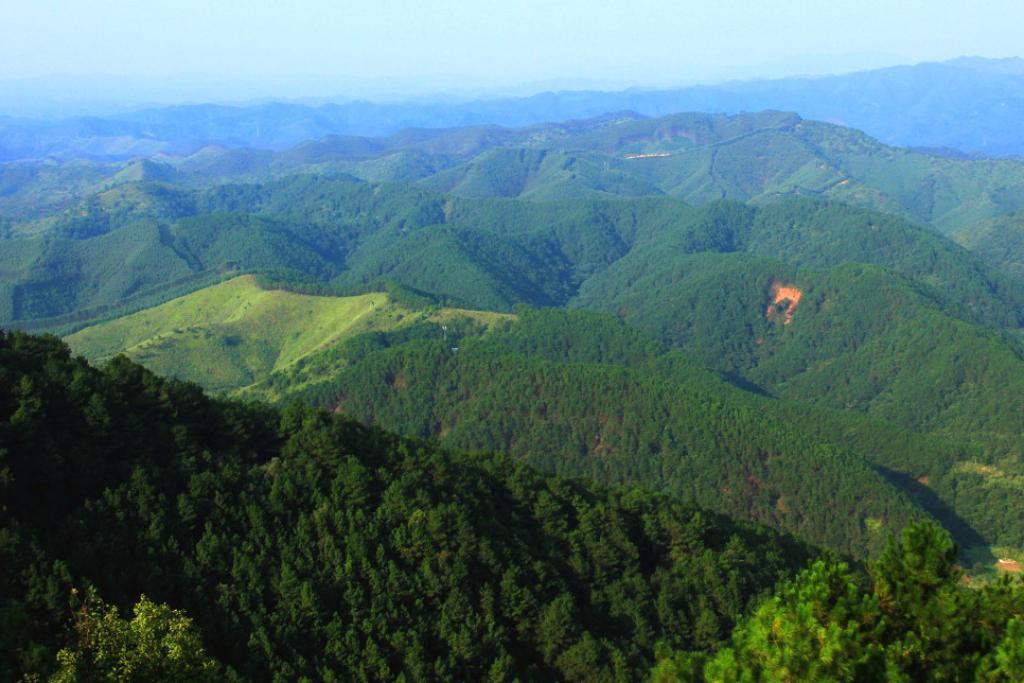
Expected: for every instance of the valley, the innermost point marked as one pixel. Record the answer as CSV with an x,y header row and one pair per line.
x,y
356,287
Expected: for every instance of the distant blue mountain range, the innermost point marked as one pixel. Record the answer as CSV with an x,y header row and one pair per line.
x,y
969,106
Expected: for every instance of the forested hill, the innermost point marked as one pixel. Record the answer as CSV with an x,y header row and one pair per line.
x,y
817,302
297,545
758,316
583,394
696,157
577,393
305,545
140,244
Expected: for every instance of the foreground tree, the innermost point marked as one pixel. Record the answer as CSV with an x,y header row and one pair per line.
x,y
916,621
157,644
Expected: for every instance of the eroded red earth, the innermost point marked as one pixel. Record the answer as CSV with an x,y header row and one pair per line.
x,y
784,298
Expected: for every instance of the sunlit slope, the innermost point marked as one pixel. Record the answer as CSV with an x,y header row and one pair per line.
x,y
235,333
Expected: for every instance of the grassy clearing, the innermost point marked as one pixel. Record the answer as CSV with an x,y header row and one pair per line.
x,y
993,476
234,334
988,563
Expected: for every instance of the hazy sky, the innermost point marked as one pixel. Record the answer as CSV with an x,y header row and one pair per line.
x,y
424,45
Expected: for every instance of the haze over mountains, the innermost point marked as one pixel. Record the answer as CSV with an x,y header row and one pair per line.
x,y
968,105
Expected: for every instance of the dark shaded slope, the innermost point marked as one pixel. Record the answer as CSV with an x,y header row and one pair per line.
x,y
578,394
305,544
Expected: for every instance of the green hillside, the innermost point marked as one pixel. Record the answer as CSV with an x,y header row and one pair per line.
x,y
761,157
696,157
915,340
998,241
540,175
854,337
831,306
305,545
148,242
605,415
582,394
233,334
682,431
353,553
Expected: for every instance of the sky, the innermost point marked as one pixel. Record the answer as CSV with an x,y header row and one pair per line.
x,y
199,49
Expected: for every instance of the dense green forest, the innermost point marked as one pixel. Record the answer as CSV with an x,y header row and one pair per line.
x,y
915,620
892,321
564,402
138,244
152,533
550,394
303,545
999,241
583,394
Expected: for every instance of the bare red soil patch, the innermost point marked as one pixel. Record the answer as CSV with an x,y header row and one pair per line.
x,y
1008,565
784,298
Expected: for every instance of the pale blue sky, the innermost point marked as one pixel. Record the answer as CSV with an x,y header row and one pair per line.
x,y
422,46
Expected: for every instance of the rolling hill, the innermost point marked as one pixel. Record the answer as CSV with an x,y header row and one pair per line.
x,y
784,297
888,347
585,396
586,411
696,157
233,334
134,241
754,316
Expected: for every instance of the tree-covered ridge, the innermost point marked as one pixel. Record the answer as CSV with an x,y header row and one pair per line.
x,y
774,155
998,241
575,392
809,234
697,157
146,243
860,339
582,394
910,342
304,545
916,620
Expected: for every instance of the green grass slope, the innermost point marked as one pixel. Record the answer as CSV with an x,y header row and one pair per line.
x,y
235,333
